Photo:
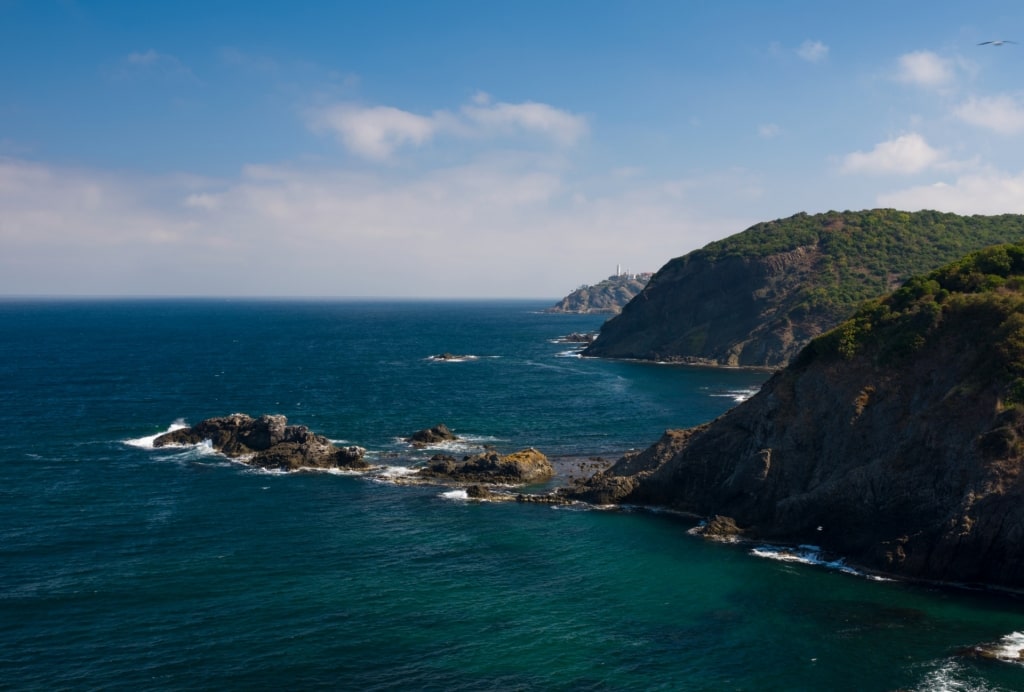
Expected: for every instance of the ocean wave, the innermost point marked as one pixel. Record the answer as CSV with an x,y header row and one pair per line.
x,y
571,353
452,358
737,395
952,676
457,495
147,442
465,443
810,555
390,474
203,451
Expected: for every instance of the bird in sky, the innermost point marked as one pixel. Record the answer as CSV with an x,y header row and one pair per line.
x,y
995,43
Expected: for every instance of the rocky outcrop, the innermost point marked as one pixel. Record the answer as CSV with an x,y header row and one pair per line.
x,y
519,468
618,482
758,297
267,442
432,436
896,441
608,296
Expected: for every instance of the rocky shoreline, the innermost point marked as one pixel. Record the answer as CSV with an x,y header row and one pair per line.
x,y
633,481
268,442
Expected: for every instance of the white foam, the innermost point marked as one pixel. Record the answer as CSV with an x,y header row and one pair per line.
x,y
459,495
147,442
737,395
809,555
1010,648
453,359
464,443
396,472
337,471
575,353
949,677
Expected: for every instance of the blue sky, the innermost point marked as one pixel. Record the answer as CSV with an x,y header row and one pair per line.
x,y
475,148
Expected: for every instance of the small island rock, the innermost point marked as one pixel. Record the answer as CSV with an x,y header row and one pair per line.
x,y
431,436
519,468
267,442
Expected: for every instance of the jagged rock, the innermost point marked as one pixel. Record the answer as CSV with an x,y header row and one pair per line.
x,y
519,468
431,436
267,442
616,483
721,528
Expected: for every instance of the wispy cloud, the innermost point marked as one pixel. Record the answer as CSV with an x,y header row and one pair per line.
x,y
768,130
924,68
153,63
1003,114
906,154
374,133
812,51
507,118
990,192
377,132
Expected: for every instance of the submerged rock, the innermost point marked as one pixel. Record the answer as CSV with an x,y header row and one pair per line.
x,y
267,442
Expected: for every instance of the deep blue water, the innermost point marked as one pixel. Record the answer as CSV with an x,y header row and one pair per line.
x,y
125,567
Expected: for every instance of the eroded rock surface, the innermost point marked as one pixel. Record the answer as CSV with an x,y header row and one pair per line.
x,y
267,442
519,468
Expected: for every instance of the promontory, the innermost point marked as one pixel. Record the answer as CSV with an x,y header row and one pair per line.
x,y
895,440
756,298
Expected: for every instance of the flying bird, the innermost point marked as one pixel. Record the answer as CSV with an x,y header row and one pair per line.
x,y
995,43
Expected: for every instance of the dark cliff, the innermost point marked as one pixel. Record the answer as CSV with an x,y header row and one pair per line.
x,y
756,298
896,440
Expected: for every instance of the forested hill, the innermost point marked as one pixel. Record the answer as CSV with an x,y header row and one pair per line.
x,y
757,297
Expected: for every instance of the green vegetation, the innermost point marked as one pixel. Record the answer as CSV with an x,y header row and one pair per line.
x,y
865,254
978,300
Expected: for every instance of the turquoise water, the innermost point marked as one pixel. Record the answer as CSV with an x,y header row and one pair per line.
x,y
128,567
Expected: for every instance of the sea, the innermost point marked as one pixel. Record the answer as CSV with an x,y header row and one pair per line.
x,y
124,566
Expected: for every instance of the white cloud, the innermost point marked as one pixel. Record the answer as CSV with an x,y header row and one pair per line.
x,y
768,130
906,154
990,192
812,51
377,132
1002,114
374,133
924,68
508,225
562,127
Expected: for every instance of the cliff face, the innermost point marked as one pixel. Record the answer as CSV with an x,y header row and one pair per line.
x,y
756,298
896,440
608,296
727,312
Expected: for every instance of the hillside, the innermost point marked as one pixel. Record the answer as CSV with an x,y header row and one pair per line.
x,y
608,296
757,297
895,440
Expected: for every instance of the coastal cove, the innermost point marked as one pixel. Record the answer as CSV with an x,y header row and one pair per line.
x,y
129,566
